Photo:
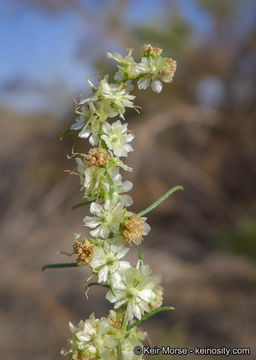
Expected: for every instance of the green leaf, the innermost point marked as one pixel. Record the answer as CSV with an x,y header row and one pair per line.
x,y
60,265
90,196
161,199
109,286
65,133
145,317
82,203
124,322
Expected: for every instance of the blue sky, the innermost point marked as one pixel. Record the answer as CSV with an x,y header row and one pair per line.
x,y
41,48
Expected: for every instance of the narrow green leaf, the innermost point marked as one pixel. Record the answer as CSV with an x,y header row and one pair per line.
x,y
65,133
60,265
161,199
140,254
104,285
124,322
82,203
145,317
111,288
90,196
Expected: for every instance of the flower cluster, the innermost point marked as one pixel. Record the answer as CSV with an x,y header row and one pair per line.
x,y
102,339
133,291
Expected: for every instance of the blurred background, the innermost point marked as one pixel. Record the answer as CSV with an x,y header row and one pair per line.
x,y
199,133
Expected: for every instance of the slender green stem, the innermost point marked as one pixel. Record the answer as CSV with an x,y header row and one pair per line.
x,y
109,286
145,317
124,318
82,203
161,199
65,133
119,352
90,196
111,184
60,265
140,254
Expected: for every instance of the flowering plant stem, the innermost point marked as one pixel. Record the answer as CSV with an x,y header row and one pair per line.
x,y
82,203
133,290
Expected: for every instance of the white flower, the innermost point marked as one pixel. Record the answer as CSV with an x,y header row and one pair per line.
x,y
99,338
117,95
157,69
121,187
117,139
134,338
78,124
94,114
134,288
92,123
107,220
92,338
92,178
115,162
105,260
92,132
128,66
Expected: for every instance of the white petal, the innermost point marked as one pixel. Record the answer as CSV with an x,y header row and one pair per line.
x,y
126,200
123,266
117,124
144,306
125,167
84,133
136,311
95,262
147,295
94,140
144,82
77,125
122,252
110,297
103,274
127,186
91,221
157,86
92,349
83,337
95,208
128,147
129,137
147,229
118,76
104,231
71,327
80,165
120,303
95,232
106,128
